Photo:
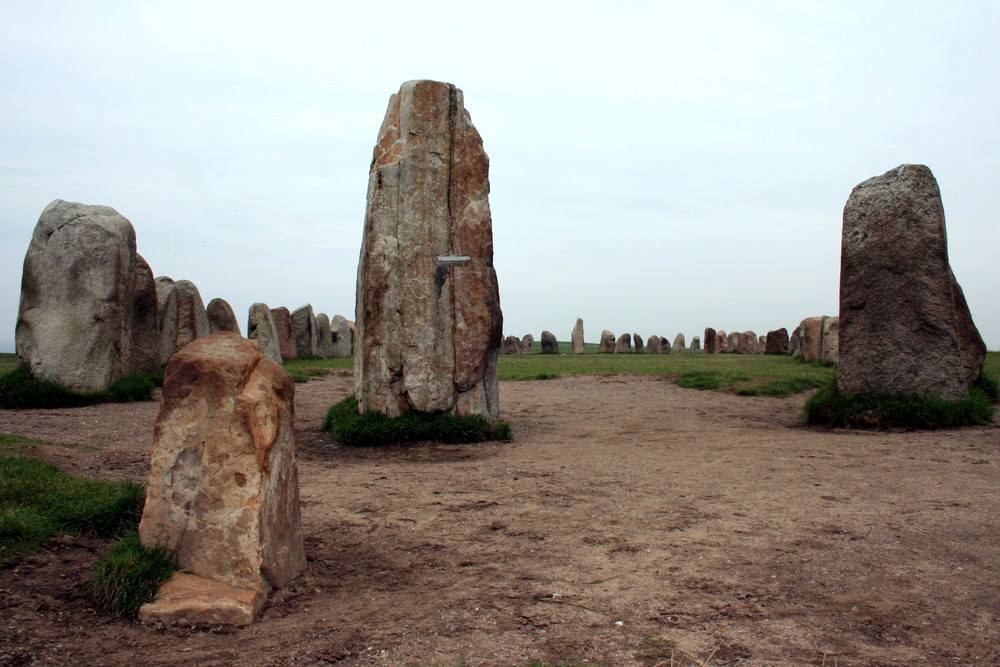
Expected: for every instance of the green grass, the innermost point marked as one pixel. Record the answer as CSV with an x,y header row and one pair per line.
x,y
20,390
39,501
376,429
304,369
830,407
8,362
130,575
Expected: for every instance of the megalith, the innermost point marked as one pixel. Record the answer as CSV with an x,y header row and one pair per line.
x,y
88,301
192,318
527,344
166,308
260,327
324,336
733,341
749,343
624,344
549,343
304,326
653,345
286,332
512,345
678,346
777,341
429,324
664,345
607,344
637,344
831,340
221,317
722,342
342,336
695,345
710,345
795,343
576,339
812,338
904,324
223,483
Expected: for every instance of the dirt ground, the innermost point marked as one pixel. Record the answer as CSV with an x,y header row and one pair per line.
x,y
626,510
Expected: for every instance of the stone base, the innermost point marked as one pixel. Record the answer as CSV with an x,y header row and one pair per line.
x,y
187,599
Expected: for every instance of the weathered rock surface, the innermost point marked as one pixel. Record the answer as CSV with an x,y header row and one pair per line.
x,y
261,328
638,344
710,344
733,341
549,343
512,345
831,340
85,299
607,344
971,343
653,345
428,331
342,335
528,344
304,326
324,336
900,312
166,308
624,344
695,345
777,341
192,318
722,342
678,346
223,483
286,332
221,317
664,345
749,343
576,339
795,342
812,338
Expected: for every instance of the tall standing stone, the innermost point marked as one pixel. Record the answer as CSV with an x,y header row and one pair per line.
x,y
223,483
512,345
695,345
304,326
733,341
145,320
166,308
624,344
637,343
528,344
710,345
812,338
607,344
82,288
261,328
324,336
653,345
664,345
221,317
342,336
795,343
192,318
904,327
678,346
749,343
722,342
429,328
777,341
286,332
576,339
831,340
549,343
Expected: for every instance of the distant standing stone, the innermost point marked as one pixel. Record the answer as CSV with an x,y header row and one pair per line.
x,y
812,338
831,340
512,345
549,343
679,346
304,325
695,345
734,341
748,343
899,306
192,319
166,308
637,343
577,338
653,345
795,343
286,332
145,320
721,342
664,345
221,317
342,336
607,344
777,341
324,336
710,346
528,344
624,344
260,327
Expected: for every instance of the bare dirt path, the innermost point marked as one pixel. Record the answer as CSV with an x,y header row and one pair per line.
x,y
626,508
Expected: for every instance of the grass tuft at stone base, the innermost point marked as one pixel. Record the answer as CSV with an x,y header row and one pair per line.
x,y
21,390
376,429
130,576
833,408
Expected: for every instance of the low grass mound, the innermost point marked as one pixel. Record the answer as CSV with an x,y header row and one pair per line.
x,y
21,390
376,429
830,407
130,575
39,501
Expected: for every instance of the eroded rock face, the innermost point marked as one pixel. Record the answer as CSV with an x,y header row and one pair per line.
x,y
86,299
749,343
831,340
221,317
166,307
223,483
286,332
733,341
342,336
512,345
549,343
904,327
261,328
324,336
607,344
722,342
528,344
678,346
795,342
576,340
777,341
710,344
664,345
624,344
637,343
304,326
695,345
653,345
812,338
428,330
192,318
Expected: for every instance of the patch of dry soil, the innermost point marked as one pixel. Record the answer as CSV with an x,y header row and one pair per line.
x,y
626,508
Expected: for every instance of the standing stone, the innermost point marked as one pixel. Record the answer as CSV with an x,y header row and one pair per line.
x,y
812,338
624,344
653,345
512,345
166,308
223,486
549,343
678,347
76,323
831,340
900,312
145,320
304,326
749,343
734,342
577,338
342,335
795,343
710,345
221,317
761,344
428,332
664,345
722,342
607,344
192,319
324,336
286,333
261,328
528,344
777,341
695,345
637,342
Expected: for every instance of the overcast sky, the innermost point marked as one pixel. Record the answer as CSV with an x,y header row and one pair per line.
x,y
656,167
